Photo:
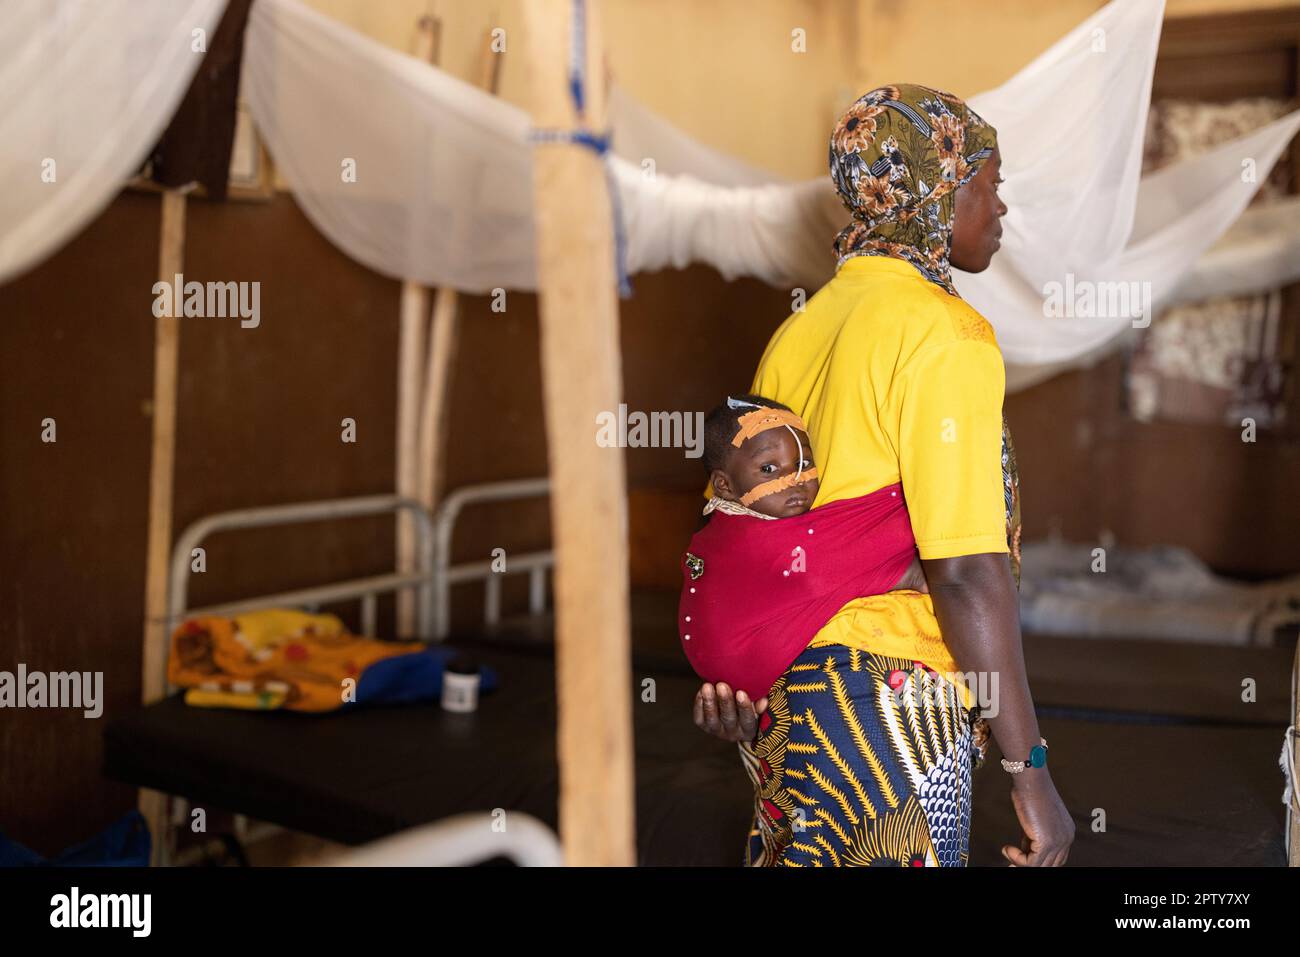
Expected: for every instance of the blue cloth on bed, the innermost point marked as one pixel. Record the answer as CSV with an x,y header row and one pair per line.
x,y
407,679
124,843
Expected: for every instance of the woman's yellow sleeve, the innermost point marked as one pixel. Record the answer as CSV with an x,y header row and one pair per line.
x,y
950,448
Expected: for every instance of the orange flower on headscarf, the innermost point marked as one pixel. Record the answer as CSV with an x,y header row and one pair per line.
x,y
879,195
949,138
857,128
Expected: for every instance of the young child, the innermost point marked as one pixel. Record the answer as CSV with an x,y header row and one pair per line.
x,y
768,571
744,475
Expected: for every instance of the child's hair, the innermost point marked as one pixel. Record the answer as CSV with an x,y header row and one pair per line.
x,y
722,424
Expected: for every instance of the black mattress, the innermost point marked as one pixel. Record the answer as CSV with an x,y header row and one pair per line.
x,y
1176,787
357,776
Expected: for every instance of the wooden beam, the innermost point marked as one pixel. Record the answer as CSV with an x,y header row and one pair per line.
x,y
427,356
412,331
432,445
167,339
410,350
443,339
581,377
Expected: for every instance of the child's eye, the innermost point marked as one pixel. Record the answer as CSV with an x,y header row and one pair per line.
x,y
807,464
766,469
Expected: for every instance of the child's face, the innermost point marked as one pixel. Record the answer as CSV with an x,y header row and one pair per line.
x,y
772,454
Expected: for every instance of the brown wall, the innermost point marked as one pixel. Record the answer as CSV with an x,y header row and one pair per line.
x,y
1087,468
258,423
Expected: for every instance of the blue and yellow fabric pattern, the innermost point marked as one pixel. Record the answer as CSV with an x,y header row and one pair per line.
x,y
861,760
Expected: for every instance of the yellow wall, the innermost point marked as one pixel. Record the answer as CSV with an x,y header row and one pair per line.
x,y
958,45
724,70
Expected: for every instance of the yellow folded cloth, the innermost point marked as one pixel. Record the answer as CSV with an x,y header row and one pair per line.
x,y
273,659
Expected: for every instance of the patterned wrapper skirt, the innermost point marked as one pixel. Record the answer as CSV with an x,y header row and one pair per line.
x,y
861,760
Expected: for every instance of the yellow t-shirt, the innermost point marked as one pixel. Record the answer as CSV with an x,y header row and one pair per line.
x,y
898,381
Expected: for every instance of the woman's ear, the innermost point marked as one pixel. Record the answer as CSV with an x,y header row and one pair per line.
x,y
722,486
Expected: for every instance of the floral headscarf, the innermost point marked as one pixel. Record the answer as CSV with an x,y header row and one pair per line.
x,y
896,157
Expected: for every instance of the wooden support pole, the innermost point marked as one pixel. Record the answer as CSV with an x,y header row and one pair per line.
x,y
432,447
167,340
443,339
427,354
581,378
412,333
410,352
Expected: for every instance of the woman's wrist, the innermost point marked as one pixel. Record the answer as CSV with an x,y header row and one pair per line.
x,y
1031,779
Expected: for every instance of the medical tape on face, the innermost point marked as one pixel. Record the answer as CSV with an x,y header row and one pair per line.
x,y
777,485
760,420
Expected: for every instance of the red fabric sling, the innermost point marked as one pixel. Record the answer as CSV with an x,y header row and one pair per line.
x,y
756,592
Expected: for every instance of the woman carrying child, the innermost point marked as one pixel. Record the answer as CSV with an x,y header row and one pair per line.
x,y
862,751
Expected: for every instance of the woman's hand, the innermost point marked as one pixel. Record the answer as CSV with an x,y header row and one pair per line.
x,y
1048,828
727,716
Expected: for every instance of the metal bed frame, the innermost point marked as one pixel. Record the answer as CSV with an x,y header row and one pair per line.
x,y
431,580
445,574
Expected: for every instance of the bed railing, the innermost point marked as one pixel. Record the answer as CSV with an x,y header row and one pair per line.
x,y
431,579
445,574
365,589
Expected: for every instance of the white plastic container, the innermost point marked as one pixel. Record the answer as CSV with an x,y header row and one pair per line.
x,y
460,686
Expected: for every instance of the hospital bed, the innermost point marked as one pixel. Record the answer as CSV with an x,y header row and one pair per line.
x,y
360,775
1153,748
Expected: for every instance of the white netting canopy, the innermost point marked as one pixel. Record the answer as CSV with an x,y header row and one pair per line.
x,y
86,89
443,188
421,176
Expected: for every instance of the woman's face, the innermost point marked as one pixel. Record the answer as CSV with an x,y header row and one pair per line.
x,y
977,218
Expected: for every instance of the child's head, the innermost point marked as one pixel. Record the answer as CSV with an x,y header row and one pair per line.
x,y
757,453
